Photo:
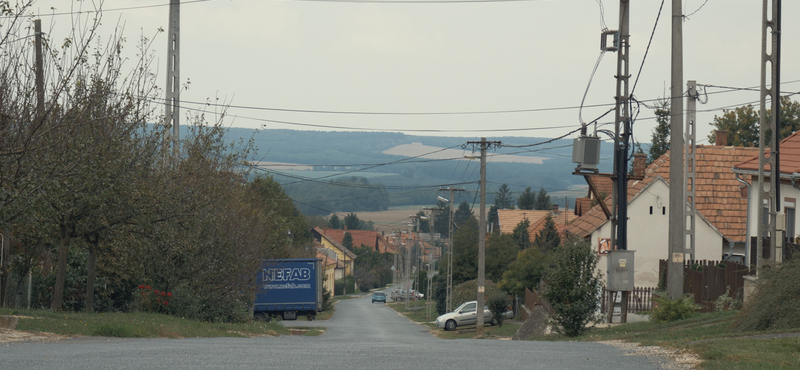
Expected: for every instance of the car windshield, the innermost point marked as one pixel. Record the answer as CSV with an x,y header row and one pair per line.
x,y
379,293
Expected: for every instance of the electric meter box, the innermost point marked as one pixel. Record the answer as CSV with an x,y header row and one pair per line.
x,y
586,152
620,270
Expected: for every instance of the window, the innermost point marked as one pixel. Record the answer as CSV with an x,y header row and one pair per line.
x,y
663,210
470,307
651,210
603,245
790,219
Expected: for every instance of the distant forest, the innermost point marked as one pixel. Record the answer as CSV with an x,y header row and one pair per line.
x,y
351,173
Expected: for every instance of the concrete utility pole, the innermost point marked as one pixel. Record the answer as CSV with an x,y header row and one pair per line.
x,y
449,302
173,92
677,197
482,234
770,65
689,165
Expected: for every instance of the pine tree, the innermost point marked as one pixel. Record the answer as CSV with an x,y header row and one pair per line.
x,y
334,222
542,202
547,239
661,133
526,200
347,240
503,198
521,235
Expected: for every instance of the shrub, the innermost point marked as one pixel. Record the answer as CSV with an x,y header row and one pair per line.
x,y
776,302
468,291
726,302
498,303
572,287
667,310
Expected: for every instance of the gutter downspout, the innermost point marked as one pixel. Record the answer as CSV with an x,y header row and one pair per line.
x,y
747,224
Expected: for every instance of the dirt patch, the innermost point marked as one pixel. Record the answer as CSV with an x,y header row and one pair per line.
x,y
8,336
670,358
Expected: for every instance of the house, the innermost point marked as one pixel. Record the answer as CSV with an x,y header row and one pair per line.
x,y
508,219
331,267
426,242
789,165
344,255
719,222
374,240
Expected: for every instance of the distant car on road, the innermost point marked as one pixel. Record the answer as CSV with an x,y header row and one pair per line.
x,y
379,296
466,314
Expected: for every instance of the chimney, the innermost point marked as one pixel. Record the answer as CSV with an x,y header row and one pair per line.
x,y
639,164
722,138
555,209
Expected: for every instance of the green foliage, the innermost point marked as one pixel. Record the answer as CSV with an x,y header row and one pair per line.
x,y
348,282
504,198
498,304
542,201
776,302
335,223
468,291
441,219
727,302
501,250
327,302
347,240
742,126
465,252
520,234
351,222
462,214
668,310
660,138
573,288
526,271
440,292
527,200
547,239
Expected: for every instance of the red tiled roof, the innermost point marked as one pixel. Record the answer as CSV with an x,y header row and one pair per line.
x,y
604,186
370,238
333,241
789,161
510,218
718,196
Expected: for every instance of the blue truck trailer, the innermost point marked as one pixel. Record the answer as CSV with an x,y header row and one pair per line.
x,y
288,288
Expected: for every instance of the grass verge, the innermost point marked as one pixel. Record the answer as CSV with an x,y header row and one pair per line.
x,y
135,325
710,337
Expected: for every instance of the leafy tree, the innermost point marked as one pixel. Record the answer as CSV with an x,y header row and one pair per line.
x,y
501,250
347,240
547,239
498,303
462,214
334,222
440,292
424,223
524,272
441,219
742,126
520,234
465,252
351,222
526,200
542,202
573,287
660,138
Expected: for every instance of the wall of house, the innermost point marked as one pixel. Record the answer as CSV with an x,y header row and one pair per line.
x,y
648,235
791,201
330,274
340,255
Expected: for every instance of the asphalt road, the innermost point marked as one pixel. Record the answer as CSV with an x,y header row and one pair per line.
x,y
361,335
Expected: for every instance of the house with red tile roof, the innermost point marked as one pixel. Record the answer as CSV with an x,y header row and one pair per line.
x,y
374,240
721,211
789,166
343,254
508,219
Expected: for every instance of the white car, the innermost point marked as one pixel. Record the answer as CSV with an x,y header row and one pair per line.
x,y
466,314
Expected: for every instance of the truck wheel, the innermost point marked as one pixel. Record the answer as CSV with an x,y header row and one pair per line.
x,y
450,325
259,316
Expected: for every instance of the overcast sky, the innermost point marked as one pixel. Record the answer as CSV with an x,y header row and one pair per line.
x,y
445,57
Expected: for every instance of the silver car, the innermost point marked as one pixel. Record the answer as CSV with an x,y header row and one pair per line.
x,y
466,314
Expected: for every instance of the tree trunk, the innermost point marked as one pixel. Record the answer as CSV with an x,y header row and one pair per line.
x,y
61,269
90,272
4,275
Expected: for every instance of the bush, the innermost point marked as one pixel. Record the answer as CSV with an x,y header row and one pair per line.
x,y
440,293
667,310
776,302
573,287
498,304
468,291
338,285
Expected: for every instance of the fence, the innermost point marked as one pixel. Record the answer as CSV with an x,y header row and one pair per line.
x,y
707,280
533,299
640,299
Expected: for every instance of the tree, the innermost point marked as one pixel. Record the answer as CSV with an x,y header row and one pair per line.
x,y
742,123
526,200
524,272
465,252
547,239
462,214
503,198
542,202
520,234
334,222
347,240
573,286
660,138
351,222
742,126
441,219
501,250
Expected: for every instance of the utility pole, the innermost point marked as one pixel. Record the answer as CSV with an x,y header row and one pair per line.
x,y
770,66
677,197
689,165
173,92
449,302
483,144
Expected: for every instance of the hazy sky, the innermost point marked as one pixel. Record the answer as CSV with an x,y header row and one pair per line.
x,y
445,57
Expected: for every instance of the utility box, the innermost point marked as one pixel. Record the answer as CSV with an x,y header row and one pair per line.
x,y
620,270
586,153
